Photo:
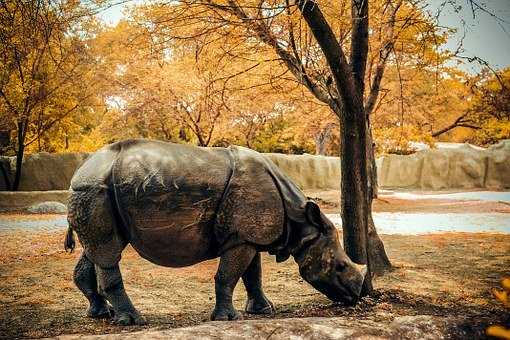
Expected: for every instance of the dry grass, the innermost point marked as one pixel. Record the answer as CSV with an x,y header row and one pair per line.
x,y
447,274
440,274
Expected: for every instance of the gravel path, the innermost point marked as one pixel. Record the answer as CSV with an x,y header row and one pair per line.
x,y
493,196
27,222
386,222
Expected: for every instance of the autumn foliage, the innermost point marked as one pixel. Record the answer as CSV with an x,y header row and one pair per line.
x,y
503,296
72,83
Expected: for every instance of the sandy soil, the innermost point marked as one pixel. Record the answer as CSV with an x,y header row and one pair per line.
x,y
438,274
20,216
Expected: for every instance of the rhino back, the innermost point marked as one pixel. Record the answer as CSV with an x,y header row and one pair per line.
x,y
169,194
96,170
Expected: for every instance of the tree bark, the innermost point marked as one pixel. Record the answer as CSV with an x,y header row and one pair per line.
x,y
19,162
379,261
377,254
354,193
22,130
359,186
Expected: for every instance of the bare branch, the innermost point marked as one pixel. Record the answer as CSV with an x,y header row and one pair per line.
x,y
461,121
334,54
384,54
294,64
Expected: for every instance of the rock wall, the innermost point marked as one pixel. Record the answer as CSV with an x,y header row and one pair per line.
x,y
309,172
22,199
497,174
464,167
44,171
404,327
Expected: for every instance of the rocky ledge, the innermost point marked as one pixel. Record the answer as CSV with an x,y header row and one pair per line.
x,y
407,327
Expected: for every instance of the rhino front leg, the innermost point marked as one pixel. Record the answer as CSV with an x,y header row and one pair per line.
x,y
112,288
84,277
257,302
233,263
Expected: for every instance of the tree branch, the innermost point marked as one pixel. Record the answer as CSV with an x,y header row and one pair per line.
x,y
334,54
359,42
461,121
384,54
293,63
47,126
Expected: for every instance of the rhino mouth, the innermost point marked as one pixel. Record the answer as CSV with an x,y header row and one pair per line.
x,y
337,292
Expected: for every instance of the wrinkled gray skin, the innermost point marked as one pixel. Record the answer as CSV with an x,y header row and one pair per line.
x,y
178,205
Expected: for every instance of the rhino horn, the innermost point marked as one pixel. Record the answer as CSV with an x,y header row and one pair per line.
x,y
362,268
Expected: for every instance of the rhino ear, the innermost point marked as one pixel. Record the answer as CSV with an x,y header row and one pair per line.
x,y
313,214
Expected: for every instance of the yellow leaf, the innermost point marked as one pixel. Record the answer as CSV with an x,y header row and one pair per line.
x,y
505,283
502,296
499,332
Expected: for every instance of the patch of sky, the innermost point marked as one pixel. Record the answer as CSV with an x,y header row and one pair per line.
x,y
116,102
486,34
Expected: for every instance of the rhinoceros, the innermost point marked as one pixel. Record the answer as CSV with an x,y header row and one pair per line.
x,y
178,205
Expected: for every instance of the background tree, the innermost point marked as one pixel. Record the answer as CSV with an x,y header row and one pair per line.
x,y
490,108
44,63
428,106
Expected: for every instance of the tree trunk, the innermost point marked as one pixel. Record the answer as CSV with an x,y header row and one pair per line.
x,y
320,146
359,187
354,191
19,161
373,186
377,254
321,139
66,141
22,128
379,261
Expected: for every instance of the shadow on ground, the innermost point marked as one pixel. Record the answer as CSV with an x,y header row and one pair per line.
x,y
442,275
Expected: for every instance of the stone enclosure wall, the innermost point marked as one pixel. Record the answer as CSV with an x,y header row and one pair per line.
x,y
464,167
44,171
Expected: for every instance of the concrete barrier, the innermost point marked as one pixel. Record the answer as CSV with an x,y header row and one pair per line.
x,y
309,172
462,167
497,175
20,200
45,171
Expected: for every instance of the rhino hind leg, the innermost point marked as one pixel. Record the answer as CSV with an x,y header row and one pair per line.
x,y
257,302
233,263
85,279
112,288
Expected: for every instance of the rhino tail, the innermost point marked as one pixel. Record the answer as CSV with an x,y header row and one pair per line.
x,y
69,242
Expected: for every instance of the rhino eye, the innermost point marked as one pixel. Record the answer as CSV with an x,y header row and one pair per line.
x,y
340,266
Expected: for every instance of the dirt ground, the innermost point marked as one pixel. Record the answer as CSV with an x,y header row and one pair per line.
x,y
447,274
